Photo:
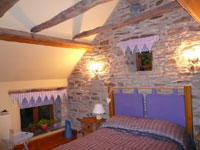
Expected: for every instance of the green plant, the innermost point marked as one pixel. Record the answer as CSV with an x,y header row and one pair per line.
x,y
43,122
30,125
53,121
146,59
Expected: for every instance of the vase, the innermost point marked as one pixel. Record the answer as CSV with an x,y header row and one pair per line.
x,y
55,125
44,127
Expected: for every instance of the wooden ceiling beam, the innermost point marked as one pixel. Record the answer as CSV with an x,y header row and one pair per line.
x,y
161,10
5,5
73,11
31,38
192,7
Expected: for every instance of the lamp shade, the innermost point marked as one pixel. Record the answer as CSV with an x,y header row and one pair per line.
x,y
98,109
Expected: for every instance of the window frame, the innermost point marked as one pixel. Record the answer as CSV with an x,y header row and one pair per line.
x,y
138,62
36,114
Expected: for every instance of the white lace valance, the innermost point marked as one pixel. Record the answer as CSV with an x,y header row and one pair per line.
x,y
39,98
138,45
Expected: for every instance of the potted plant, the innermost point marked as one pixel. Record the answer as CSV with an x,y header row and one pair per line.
x,y
54,123
31,127
44,124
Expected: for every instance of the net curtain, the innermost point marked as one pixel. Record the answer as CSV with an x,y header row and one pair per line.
x,y
40,98
138,45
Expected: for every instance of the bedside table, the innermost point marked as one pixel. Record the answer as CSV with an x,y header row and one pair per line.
x,y
198,139
90,124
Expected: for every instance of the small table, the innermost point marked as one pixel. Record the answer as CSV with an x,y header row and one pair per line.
x,y
90,124
17,138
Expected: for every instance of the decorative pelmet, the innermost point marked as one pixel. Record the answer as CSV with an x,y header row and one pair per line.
x,y
138,45
34,99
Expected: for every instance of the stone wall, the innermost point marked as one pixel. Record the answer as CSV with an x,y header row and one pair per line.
x,y
60,109
178,32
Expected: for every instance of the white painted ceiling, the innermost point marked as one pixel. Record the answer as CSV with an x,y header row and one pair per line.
x,y
20,61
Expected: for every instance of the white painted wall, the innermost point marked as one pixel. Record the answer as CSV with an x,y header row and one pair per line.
x,y
45,62
13,109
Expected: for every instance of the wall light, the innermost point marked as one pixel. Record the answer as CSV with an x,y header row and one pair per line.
x,y
96,67
187,57
193,55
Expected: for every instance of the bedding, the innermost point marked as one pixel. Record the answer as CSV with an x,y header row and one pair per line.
x,y
134,133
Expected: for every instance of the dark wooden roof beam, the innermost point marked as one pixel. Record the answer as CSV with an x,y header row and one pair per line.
x,y
161,10
31,38
5,5
73,11
192,7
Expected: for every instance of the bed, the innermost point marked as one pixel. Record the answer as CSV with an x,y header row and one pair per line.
x,y
167,126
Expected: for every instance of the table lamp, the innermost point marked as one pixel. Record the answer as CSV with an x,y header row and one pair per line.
x,y
98,110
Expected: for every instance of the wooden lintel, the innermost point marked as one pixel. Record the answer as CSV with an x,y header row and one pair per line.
x,y
73,11
31,38
192,7
161,10
5,5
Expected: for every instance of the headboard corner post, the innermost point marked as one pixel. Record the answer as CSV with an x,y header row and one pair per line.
x,y
111,104
188,109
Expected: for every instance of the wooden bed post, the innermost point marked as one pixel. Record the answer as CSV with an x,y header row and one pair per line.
x,y
111,104
188,109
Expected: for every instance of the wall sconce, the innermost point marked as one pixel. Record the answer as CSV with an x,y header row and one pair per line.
x,y
96,67
193,55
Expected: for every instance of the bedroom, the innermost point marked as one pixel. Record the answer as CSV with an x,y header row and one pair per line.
x,y
178,32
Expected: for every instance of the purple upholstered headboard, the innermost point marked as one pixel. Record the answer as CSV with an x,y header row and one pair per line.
x,y
166,107
159,106
129,104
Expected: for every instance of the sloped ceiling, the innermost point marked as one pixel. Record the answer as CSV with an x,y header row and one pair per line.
x,y
34,62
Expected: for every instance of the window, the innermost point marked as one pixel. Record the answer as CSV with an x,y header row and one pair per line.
x,y
44,112
144,61
26,117
35,114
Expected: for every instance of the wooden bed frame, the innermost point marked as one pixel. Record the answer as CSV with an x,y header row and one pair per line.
x,y
188,102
